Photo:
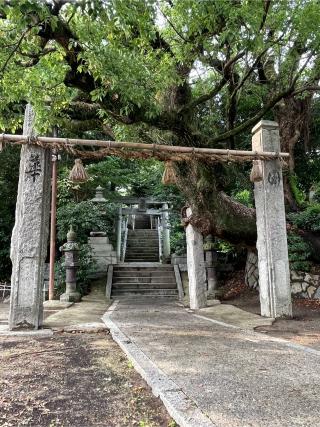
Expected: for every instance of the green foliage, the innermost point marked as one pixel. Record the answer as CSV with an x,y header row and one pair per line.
x,y
84,216
9,170
146,64
141,51
316,196
308,219
245,197
177,235
299,253
223,246
298,194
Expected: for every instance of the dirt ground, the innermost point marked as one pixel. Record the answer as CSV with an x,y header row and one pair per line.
x,y
73,379
303,329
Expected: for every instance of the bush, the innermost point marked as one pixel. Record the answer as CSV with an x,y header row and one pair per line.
x,y
299,253
308,219
177,235
85,216
245,197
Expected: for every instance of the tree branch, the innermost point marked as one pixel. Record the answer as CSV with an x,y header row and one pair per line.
x,y
205,97
266,8
14,50
253,120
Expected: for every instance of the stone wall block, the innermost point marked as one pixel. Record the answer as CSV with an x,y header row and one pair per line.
x,y
311,290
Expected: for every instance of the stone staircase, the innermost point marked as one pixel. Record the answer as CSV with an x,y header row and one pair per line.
x,y
142,222
154,280
142,246
142,274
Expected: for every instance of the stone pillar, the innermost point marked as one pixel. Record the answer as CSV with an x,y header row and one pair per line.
x,y
211,260
196,267
30,233
166,231
119,234
274,274
70,250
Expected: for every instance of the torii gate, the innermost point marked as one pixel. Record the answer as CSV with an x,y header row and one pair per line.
x,y
30,233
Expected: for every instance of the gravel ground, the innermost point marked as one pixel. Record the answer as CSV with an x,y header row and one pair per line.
x,y
303,329
73,379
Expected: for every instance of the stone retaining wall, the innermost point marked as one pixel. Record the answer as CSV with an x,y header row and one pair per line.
x,y
102,253
303,285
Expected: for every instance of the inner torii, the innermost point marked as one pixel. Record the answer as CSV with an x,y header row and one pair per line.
x,y
30,233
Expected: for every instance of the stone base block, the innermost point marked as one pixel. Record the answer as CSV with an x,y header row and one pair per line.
x,y
70,297
56,304
211,302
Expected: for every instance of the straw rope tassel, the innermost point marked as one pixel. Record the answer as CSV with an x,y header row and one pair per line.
x,y
169,176
256,171
78,172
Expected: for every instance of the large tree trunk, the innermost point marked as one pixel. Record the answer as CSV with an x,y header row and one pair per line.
x,y
293,116
214,212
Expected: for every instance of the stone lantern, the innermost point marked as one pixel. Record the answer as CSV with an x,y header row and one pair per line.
x,y
100,201
70,250
98,198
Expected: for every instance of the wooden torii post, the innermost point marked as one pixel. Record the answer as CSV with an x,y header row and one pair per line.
x,y
30,233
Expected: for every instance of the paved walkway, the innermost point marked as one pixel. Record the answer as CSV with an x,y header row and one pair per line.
x,y
208,374
85,315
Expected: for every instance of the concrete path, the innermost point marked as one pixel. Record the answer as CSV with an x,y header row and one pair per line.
x,y
235,316
85,315
209,374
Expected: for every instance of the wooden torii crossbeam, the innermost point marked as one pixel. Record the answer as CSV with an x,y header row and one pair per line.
x,y
120,148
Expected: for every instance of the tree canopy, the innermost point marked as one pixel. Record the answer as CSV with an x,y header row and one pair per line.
x,y
184,72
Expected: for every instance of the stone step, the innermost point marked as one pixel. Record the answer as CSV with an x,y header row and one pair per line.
x,y
153,280
136,258
145,248
142,254
146,244
141,280
137,243
143,230
142,233
141,259
147,275
155,267
117,285
154,256
135,235
149,242
146,291
152,239
151,276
